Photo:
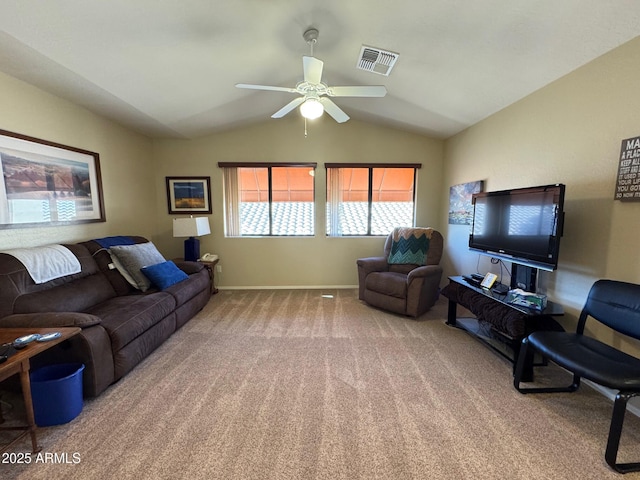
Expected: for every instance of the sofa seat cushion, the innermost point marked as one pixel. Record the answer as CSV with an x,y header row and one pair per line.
x,y
387,283
126,318
403,268
195,284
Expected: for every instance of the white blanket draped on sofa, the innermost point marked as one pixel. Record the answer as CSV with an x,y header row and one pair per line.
x,y
47,262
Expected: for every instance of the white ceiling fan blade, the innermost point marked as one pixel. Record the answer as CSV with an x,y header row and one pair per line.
x,y
358,91
266,87
334,110
312,69
288,107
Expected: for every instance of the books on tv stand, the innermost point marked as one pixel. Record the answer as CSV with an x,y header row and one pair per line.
x,y
488,282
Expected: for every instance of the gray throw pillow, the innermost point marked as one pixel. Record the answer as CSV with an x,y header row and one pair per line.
x,y
133,257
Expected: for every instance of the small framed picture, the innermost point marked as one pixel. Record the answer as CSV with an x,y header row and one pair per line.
x,y
189,195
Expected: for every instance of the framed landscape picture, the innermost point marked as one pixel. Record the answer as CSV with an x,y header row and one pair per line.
x,y
46,183
189,195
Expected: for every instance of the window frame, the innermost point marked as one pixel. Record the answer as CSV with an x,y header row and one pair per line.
x,y
370,167
269,166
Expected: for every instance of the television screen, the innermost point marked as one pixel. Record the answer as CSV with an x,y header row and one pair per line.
x,y
522,225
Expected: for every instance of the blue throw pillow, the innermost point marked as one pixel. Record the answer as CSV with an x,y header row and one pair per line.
x,y
164,274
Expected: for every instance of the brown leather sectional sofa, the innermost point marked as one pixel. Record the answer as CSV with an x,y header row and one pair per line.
x,y
120,325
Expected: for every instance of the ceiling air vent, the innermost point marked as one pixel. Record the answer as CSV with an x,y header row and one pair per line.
x,y
376,60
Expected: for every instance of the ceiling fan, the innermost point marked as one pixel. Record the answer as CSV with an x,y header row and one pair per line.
x,y
314,93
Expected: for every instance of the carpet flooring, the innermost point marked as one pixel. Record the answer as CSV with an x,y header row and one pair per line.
x,y
294,384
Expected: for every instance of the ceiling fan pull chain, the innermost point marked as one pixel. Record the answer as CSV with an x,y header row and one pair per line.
x,y
305,127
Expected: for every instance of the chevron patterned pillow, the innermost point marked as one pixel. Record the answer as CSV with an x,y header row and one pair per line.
x,y
410,245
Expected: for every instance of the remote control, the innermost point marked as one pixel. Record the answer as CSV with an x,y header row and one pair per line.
x,y
22,342
471,280
6,350
48,336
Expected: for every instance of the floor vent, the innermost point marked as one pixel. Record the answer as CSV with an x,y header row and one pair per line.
x,y
376,60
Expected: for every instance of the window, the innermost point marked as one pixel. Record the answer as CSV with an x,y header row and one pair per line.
x,y
369,199
269,199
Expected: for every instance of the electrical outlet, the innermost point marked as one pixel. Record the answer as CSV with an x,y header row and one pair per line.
x,y
219,268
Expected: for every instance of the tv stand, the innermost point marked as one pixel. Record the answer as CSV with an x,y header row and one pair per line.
x,y
499,324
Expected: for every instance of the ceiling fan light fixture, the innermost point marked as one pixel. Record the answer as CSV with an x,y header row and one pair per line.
x,y
311,108
313,93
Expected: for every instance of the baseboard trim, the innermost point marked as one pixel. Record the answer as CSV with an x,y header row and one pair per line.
x,y
289,287
611,395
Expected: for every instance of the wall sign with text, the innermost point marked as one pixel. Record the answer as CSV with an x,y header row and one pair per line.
x,y
628,181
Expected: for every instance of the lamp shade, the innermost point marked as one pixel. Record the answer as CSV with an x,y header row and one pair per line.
x,y
191,227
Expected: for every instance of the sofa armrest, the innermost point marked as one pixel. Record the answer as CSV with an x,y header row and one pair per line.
x,y
188,267
423,288
373,264
367,266
425,271
49,319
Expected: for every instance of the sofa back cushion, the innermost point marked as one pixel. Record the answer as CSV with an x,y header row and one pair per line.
x,y
75,296
20,294
105,264
133,258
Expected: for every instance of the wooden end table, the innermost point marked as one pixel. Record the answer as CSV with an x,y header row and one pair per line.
x,y
20,363
211,267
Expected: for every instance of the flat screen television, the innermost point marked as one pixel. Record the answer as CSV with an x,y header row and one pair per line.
x,y
522,225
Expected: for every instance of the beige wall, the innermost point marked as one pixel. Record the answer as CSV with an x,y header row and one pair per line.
x,y
568,132
125,160
298,262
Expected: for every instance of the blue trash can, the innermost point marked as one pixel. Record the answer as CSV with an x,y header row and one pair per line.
x,y
57,393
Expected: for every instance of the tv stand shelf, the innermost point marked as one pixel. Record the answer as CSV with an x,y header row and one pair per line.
x,y
499,324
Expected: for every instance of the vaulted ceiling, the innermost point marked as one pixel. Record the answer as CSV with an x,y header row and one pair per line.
x,y
169,68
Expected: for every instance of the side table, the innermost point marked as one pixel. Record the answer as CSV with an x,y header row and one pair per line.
x,y
211,267
20,363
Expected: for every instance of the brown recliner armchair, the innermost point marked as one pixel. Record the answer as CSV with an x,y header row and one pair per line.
x,y
406,288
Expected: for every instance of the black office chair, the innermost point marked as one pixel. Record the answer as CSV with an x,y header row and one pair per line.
x,y
616,305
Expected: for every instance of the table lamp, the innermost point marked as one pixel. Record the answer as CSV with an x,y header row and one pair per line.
x,y
191,227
